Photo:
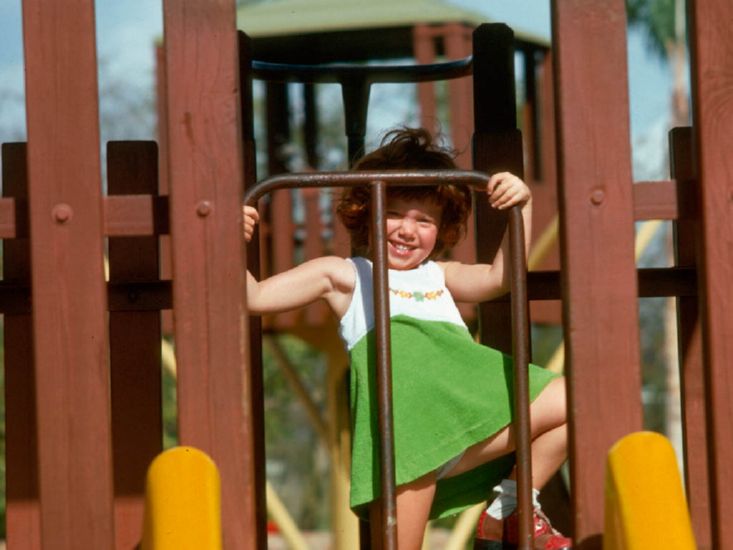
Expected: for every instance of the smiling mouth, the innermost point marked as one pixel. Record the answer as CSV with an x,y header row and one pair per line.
x,y
400,248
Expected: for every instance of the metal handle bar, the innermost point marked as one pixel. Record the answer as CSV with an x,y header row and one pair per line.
x,y
475,179
378,181
341,72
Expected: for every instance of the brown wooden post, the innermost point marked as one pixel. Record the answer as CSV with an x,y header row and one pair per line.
x,y
531,112
457,46
712,66
692,375
280,215
161,96
137,424
206,178
23,528
544,190
256,402
423,47
497,146
315,314
597,243
69,293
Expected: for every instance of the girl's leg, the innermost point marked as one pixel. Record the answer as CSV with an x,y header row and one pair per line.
x,y
549,450
413,509
548,432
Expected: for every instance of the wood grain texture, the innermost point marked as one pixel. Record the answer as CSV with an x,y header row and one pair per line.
x,y
712,104
597,245
206,180
135,362
68,287
689,323
23,510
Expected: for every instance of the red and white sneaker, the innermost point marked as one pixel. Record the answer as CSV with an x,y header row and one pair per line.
x,y
494,534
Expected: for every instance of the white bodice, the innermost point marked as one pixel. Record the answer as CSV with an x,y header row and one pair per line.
x,y
419,293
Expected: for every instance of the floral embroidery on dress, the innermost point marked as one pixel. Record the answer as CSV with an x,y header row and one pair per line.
x,y
418,296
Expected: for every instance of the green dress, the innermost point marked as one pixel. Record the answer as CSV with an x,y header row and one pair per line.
x,y
448,391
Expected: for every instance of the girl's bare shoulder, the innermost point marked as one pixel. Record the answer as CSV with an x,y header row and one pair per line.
x,y
340,270
343,280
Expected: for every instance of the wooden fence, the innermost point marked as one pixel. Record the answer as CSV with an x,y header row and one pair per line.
x,y
82,354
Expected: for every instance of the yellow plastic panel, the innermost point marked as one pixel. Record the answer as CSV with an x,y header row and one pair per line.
x,y
645,503
182,502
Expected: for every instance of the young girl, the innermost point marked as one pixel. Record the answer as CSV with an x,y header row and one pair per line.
x,y
451,396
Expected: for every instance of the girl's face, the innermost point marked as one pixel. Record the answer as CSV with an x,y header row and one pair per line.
x,y
412,230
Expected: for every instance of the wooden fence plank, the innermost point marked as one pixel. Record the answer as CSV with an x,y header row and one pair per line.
x,y
161,95
692,373
255,382
69,298
712,89
22,523
597,245
134,348
206,177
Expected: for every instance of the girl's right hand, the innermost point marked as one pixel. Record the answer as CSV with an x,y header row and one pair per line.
x,y
251,217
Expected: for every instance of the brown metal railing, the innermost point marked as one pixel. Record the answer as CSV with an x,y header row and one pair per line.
x,y
378,181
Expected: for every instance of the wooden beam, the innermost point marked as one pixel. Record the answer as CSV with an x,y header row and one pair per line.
x,y
255,381
497,146
689,326
712,65
206,189
135,362
148,214
23,511
597,245
68,287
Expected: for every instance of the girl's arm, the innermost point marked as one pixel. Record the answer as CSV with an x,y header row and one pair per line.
x,y
330,278
480,282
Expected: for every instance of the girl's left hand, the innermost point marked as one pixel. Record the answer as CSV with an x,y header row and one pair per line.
x,y
506,190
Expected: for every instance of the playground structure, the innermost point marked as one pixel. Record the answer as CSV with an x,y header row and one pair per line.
x,y
77,452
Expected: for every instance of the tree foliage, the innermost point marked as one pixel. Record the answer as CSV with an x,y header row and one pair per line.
x,y
657,18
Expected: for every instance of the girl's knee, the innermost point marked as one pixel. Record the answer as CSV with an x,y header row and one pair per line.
x,y
551,405
557,391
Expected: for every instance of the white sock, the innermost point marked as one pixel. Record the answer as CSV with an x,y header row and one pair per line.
x,y
506,500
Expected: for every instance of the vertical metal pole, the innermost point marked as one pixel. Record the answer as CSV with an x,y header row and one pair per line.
x,y
384,368
310,125
355,94
520,350
498,146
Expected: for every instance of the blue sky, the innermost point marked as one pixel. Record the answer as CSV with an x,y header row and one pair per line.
x,y
126,30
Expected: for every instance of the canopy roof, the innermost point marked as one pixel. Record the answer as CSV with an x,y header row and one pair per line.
x,y
333,30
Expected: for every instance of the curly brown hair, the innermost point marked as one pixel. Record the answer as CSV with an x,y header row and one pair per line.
x,y
408,149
